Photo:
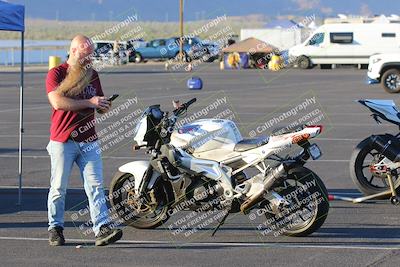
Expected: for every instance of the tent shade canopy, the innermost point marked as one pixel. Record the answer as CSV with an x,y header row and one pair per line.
x,y
12,17
250,45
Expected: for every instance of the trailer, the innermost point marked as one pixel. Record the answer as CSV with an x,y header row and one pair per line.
x,y
346,43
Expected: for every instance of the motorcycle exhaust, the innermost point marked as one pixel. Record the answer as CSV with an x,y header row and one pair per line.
x,y
387,145
268,181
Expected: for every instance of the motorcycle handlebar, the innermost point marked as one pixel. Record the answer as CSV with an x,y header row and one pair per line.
x,y
191,101
184,106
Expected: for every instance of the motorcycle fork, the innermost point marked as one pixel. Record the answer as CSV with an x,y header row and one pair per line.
x,y
146,179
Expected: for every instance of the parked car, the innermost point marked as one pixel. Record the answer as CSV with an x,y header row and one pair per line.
x,y
205,50
349,43
193,48
385,69
103,52
102,49
131,46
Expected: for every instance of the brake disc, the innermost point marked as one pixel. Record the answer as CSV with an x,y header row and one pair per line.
x,y
141,205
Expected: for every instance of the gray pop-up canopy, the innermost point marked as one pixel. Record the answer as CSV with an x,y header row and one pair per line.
x,y
248,45
12,18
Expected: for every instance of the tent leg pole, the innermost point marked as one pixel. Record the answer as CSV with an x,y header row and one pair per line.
x,y
21,117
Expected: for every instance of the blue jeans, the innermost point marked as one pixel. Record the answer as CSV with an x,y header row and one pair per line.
x,y
88,159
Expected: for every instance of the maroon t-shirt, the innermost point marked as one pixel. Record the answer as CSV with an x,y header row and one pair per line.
x,y
74,125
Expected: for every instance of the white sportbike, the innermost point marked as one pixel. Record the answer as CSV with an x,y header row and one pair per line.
x,y
202,166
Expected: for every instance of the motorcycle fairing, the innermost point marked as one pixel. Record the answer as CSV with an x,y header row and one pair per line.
x,y
385,109
137,169
140,132
280,142
208,168
206,135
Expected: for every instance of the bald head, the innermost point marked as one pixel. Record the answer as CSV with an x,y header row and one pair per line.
x,y
80,50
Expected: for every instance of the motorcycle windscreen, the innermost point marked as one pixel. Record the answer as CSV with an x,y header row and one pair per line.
x,y
140,131
145,131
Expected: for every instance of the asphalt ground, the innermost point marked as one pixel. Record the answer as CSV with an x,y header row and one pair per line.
x,y
353,234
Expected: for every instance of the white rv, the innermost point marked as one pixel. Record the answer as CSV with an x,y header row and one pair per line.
x,y
347,43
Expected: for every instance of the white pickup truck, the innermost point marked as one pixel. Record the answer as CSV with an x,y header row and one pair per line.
x,y
385,69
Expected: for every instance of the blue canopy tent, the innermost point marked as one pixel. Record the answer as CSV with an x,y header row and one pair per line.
x,y
12,18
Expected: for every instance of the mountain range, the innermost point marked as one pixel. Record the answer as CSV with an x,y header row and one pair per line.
x,y
168,10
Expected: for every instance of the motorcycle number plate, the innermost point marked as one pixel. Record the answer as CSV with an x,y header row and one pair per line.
x,y
314,151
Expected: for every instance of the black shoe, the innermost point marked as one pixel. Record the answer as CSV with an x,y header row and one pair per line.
x,y
56,236
107,235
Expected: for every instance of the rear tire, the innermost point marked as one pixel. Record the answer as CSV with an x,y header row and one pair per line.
x,y
319,203
357,161
391,81
322,207
304,62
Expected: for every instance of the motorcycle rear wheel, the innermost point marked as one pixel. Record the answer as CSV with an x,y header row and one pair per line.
x,y
359,161
317,208
124,206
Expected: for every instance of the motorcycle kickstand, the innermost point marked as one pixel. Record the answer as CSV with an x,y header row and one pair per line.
x,y
220,223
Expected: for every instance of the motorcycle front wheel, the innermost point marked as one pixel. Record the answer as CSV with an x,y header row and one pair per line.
x,y
308,208
146,212
369,182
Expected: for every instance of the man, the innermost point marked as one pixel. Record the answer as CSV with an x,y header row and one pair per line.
x,y
74,92
116,52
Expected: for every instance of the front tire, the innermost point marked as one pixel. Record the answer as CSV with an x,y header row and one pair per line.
x,y
130,211
138,58
391,81
304,62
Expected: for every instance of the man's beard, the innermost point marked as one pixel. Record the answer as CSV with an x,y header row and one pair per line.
x,y
76,80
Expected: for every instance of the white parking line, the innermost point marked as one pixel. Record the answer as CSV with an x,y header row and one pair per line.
x,y
332,160
81,188
26,136
45,157
169,244
25,109
47,137
134,158
337,139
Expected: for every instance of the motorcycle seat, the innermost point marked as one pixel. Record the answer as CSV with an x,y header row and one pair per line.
x,y
285,130
250,143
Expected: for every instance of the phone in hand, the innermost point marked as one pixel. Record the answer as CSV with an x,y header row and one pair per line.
x,y
113,97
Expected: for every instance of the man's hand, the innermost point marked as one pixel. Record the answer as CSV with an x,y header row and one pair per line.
x,y
99,102
176,104
104,110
